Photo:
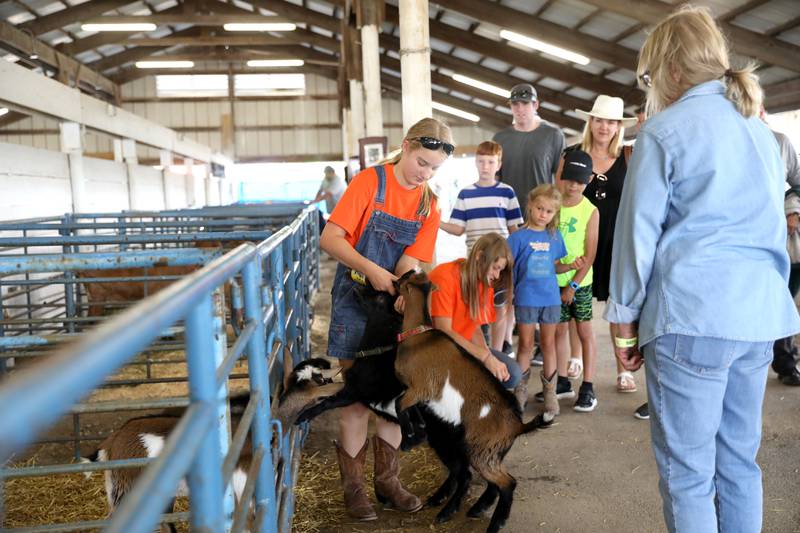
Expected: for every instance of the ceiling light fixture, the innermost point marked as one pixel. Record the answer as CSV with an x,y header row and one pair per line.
x,y
481,85
544,47
455,111
259,26
275,63
130,26
164,64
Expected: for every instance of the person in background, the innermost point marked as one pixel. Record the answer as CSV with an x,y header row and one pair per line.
x,y
384,225
579,220
531,146
463,300
699,272
538,248
331,189
532,150
784,361
484,207
602,140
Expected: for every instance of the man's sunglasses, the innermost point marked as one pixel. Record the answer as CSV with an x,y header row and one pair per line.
x,y
524,94
432,143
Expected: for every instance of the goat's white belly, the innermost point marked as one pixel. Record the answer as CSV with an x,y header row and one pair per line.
x,y
448,406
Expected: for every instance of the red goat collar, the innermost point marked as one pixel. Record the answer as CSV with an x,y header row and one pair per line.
x,y
413,331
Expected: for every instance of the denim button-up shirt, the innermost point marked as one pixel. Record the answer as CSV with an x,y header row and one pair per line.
x,y
700,240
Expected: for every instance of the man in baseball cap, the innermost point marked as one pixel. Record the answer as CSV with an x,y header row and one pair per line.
x,y
531,146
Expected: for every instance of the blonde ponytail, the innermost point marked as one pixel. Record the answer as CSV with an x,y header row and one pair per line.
x,y
744,90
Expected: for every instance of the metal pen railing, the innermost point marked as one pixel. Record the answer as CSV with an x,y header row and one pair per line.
x,y
279,276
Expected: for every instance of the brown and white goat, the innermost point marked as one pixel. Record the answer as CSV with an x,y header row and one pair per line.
x,y
144,437
458,389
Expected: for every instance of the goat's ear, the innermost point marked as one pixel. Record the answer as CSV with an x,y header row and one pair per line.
x,y
408,274
396,283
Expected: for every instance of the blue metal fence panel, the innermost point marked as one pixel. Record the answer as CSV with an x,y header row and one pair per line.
x,y
276,288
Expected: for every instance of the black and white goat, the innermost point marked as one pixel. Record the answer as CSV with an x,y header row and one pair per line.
x,y
144,437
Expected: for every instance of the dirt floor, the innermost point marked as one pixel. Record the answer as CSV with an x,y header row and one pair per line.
x,y
593,472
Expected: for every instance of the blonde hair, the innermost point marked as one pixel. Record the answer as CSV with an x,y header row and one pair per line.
x,y
550,192
688,45
427,127
614,147
486,250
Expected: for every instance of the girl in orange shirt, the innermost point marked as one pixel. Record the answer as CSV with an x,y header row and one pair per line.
x,y
384,225
464,299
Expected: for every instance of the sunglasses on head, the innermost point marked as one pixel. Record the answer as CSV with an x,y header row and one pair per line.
x,y
432,143
523,94
600,192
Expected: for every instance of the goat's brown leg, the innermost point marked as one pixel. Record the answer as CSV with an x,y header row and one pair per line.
x,y
505,484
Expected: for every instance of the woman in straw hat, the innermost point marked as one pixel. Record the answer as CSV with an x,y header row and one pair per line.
x,y
699,272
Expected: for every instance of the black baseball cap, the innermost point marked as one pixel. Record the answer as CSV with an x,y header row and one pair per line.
x,y
523,92
577,166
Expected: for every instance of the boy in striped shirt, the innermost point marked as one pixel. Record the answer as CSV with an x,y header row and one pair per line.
x,y
484,207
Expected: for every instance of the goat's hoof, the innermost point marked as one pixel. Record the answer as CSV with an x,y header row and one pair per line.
x,y
435,500
444,516
476,512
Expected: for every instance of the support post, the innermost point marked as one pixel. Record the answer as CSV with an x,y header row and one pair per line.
x,y
415,61
71,138
370,18
129,157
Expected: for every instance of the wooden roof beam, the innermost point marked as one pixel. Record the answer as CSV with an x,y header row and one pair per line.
x,y
214,40
745,42
67,68
569,38
452,85
519,58
70,15
195,19
491,76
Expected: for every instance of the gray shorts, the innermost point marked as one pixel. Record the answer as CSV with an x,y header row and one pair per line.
x,y
550,314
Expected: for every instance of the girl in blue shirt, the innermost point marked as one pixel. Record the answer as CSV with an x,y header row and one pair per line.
x,y
538,248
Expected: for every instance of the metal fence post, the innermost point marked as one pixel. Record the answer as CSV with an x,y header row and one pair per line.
x,y
205,475
223,420
257,368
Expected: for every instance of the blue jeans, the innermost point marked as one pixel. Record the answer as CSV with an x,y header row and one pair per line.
x,y
514,373
705,419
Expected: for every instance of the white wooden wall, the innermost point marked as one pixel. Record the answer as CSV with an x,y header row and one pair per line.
x,y
36,182
300,129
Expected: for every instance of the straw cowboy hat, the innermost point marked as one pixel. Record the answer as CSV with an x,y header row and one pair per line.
x,y
607,107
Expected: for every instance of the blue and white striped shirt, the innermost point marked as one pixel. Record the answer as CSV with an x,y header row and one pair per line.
x,y
482,210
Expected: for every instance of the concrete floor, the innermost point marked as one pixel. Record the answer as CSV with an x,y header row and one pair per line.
x,y
593,472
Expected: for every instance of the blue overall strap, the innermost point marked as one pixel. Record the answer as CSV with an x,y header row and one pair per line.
x,y
380,196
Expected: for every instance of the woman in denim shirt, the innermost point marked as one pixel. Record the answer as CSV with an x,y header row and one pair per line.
x,y
699,273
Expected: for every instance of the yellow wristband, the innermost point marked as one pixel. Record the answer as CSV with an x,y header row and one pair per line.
x,y
626,343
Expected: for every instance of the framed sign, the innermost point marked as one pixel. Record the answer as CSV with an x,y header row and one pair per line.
x,y
371,150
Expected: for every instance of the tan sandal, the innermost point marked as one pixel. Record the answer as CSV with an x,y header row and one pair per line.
x,y
625,382
575,368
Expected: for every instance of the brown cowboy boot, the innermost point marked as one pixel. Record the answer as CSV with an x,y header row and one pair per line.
x,y
521,390
356,501
551,406
388,489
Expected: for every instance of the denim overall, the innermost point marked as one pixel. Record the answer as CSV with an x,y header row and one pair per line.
x,y
383,242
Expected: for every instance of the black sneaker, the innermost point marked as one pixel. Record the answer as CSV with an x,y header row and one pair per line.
x,y
507,347
563,390
538,358
791,379
642,412
586,401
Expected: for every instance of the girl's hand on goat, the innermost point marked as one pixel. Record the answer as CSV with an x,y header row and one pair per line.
x,y
381,279
496,367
